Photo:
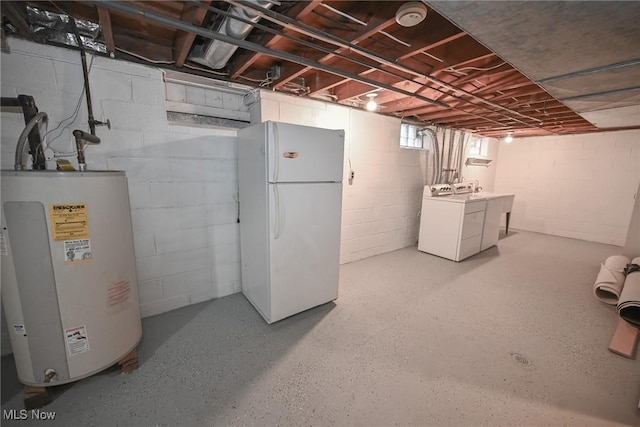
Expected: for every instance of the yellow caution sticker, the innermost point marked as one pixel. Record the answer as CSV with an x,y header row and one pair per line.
x,y
69,221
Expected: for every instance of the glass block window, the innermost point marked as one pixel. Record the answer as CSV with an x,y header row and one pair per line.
x,y
409,136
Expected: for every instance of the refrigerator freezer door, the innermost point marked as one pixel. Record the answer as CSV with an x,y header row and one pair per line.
x,y
304,154
304,246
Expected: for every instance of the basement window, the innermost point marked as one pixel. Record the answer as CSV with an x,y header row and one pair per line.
x,y
478,147
410,136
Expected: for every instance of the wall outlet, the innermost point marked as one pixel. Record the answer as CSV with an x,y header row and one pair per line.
x,y
352,175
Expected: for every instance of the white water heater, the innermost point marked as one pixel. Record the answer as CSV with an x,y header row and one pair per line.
x,y
69,286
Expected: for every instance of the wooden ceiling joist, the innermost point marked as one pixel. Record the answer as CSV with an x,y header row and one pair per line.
x,y
107,32
183,41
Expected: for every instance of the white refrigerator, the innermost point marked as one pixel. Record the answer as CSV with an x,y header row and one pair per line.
x,y
290,187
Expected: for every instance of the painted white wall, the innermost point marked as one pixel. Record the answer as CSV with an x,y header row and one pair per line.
x,y
380,209
485,175
182,180
631,247
579,186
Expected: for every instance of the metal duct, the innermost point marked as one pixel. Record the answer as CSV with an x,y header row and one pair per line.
x,y
216,53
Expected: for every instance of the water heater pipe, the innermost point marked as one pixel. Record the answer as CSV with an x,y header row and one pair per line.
x,y
85,72
19,164
83,138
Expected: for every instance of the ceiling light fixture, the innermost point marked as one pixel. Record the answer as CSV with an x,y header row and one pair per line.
x,y
372,105
509,138
411,14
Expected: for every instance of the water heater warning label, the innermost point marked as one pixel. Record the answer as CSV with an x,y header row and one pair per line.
x,y
77,251
77,340
69,221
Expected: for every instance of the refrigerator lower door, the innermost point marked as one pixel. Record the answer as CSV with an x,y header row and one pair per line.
x,y
304,253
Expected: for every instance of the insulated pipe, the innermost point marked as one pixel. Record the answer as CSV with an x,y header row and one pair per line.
x,y
460,154
434,153
437,158
18,164
452,138
441,162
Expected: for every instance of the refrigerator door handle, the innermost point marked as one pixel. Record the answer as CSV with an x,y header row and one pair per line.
x,y
276,156
276,200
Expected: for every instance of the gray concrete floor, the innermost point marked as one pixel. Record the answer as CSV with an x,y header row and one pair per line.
x,y
412,340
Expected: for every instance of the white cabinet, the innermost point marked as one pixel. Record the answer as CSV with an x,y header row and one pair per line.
x,y
451,229
492,217
459,226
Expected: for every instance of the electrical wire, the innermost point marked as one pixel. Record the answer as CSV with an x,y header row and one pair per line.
x,y
217,73
250,79
152,61
459,70
72,117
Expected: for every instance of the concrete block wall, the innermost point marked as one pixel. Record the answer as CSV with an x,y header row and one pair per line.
x,y
182,179
485,175
579,186
380,210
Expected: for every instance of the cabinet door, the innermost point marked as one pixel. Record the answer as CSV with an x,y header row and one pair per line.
x,y
492,223
468,247
473,223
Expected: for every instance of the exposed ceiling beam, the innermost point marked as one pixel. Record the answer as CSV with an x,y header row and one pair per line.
x,y
247,59
368,31
177,24
328,38
105,22
134,44
183,41
16,18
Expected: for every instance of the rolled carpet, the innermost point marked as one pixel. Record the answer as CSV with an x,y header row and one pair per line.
x,y
629,303
610,279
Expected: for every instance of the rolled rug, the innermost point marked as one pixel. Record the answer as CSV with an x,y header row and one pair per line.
x,y
629,303
610,279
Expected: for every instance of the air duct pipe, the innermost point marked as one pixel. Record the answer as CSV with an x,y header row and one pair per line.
x,y
217,53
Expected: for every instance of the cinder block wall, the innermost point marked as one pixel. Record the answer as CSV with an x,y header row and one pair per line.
x,y
182,180
380,209
579,186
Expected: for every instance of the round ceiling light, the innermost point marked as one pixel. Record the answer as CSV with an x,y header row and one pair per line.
x,y
411,14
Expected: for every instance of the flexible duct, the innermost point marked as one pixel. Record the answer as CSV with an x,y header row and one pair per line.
x,y
19,164
434,154
217,53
